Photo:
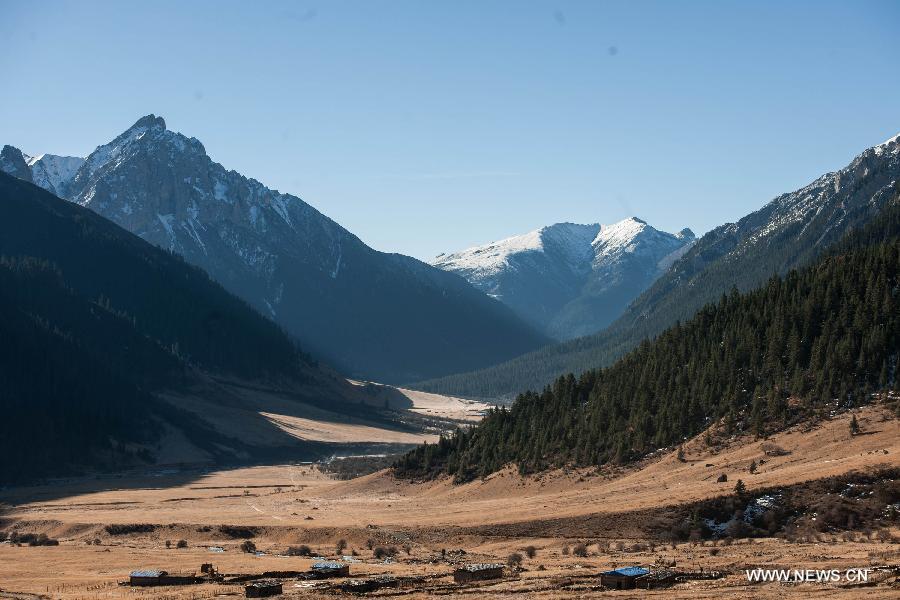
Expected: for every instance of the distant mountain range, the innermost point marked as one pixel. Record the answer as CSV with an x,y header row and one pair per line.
x,y
379,316
571,280
788,232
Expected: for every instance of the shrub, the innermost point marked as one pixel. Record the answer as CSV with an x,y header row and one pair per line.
x,y
382,552
181,544
248,546
118,529
565,550
341,546
234,532
514,559
43,540
770,449
580,550
168,543
887,492
32,539
737,529
301,550
530,551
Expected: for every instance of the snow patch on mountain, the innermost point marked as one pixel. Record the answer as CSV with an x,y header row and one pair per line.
x,y
490,258
166,221
54,173
891,145
617,238
570,239
220,191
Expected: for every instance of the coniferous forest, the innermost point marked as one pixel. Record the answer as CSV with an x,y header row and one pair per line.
x,y
93,321
726,257
823,336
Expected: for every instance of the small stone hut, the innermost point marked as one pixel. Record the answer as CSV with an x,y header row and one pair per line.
x,y
262,589
478,572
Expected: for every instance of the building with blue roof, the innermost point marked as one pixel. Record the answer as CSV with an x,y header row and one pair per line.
x,y
622,579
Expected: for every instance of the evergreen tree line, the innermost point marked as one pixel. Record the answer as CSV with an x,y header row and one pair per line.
x,y
699,278
822,336
175,304
93,321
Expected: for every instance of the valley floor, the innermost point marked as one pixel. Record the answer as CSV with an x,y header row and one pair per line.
x,y
288,505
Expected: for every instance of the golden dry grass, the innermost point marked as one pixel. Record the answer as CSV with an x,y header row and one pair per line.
x,y
489,519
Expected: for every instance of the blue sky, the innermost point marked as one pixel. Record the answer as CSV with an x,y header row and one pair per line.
x,y
426,127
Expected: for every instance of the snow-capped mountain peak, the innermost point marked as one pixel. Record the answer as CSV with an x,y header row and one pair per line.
x,y
569,240
619,236
634,235
194,202
545,273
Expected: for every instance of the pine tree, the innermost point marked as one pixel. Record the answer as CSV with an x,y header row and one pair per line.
x,y
812,335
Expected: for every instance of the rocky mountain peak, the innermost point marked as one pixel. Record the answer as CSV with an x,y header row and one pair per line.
x,y
12,161
150,121
891,145
368,313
